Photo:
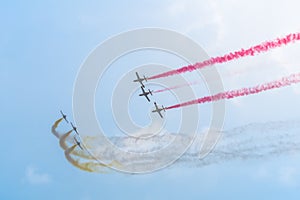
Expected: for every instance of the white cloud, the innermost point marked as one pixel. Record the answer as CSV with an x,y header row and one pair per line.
x,y
197,19
176,8
33,176
224,26
230,25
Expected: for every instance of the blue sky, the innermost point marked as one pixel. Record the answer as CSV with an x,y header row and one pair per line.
x,y
43,44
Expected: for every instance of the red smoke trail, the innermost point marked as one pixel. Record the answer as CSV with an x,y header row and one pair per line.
x,y
175,87
263,47
285,81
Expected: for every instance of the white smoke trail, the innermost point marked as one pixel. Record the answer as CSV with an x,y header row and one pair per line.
x,y
252,141
78,157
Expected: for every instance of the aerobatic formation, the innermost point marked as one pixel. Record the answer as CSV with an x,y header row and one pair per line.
x,y
77,153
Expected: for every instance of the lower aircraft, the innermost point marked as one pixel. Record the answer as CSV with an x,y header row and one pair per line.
x,y
78,143
158,110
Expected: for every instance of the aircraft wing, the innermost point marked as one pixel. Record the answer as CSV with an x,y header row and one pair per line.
x,y
137,75
159,112
78,143
156,107
66,119
147,98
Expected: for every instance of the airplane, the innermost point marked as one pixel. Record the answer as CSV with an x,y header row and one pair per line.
x,y
145,93
158,110
140,80
64,116
78,143
74,128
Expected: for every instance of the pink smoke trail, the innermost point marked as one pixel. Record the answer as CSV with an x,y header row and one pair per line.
x,y
283,82
175,87
260,48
